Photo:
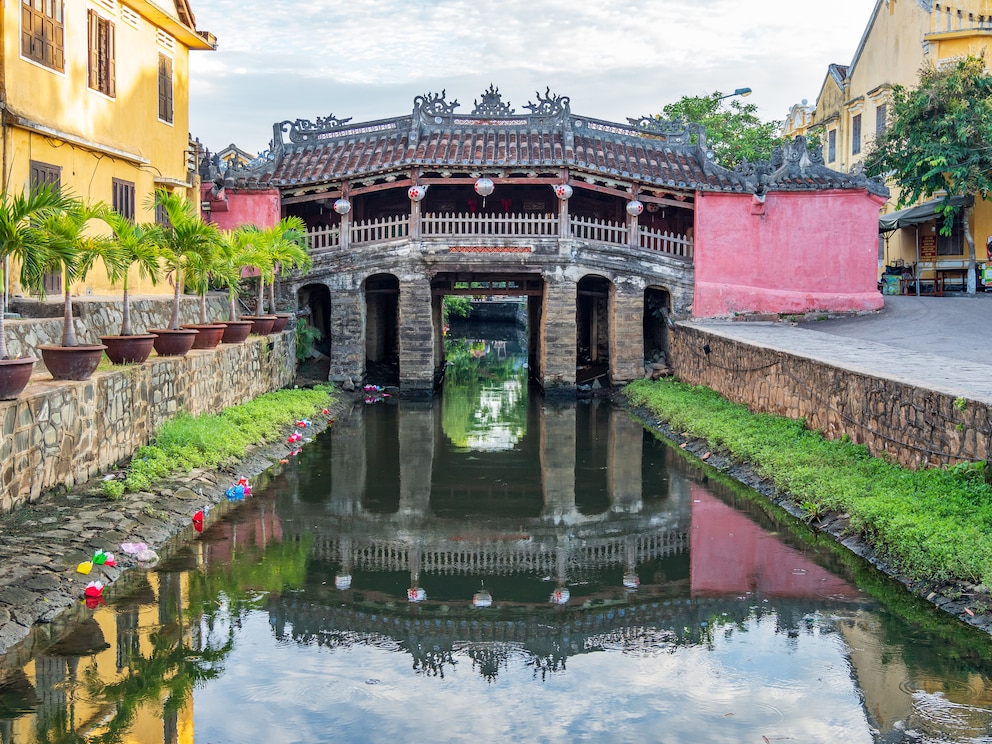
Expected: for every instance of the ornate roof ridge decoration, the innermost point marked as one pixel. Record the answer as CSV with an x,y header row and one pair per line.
x,y
674,131
492,104
549,106
434,104
795,161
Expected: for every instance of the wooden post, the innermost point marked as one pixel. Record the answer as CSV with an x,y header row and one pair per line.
x,y
564,229
415,210
632,222
346,219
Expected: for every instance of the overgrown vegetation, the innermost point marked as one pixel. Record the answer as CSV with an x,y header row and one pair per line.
x,y
932,525
211,440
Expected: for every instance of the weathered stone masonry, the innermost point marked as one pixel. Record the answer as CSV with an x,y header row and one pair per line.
x,y
907,424
62,433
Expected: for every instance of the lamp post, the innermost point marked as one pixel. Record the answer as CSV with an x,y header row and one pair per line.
x,y
743,92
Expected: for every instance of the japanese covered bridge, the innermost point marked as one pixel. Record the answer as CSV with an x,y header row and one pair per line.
x,y
605,228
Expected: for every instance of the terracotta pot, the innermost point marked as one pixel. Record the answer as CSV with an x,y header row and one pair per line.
x,y
72,362
14,376
236,331
282,320
170,342
261,325
208,336
128,349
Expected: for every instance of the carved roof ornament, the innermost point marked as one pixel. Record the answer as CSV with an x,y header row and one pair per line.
x,y
492,104
434,104
675,131
303,130
548,105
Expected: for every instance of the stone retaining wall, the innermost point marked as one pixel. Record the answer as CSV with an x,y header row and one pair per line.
x,y
910,425
62,433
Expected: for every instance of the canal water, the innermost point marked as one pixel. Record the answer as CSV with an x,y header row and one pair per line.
x,y
499,566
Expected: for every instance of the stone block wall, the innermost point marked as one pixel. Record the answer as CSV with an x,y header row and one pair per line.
x,y
913,426
63,433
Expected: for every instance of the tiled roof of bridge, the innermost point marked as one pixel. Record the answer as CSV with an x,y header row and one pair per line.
x,y
493,137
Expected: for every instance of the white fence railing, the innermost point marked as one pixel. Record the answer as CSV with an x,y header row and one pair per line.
x,y
665,242
480,225
384,228
600,231
501,225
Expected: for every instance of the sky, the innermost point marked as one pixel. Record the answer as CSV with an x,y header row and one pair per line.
x,y
367,59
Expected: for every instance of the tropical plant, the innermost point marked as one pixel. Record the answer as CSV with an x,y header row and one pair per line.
x,y
184,241
20,240
137,246
280,248
236,249
937,142
71,249
199,270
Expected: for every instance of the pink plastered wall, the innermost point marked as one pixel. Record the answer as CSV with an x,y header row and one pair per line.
x,y
231,208
797,252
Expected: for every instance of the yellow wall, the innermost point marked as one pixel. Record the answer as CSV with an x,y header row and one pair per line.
x,y
901,36
56,118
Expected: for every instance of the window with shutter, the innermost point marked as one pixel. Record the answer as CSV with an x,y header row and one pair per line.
x,y
102,69
165,88
124,198
43,32
43,174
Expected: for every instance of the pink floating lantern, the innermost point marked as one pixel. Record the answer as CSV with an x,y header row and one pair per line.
x,y
634,207
342,206
416,193
94,589
563,191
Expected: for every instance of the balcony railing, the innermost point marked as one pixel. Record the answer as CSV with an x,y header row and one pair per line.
x,y
454,225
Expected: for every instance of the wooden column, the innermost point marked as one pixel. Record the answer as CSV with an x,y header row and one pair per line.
x,y
632,222
564,229
346,218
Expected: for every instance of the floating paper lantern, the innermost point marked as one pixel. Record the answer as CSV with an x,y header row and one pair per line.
x,y
563,191
342,206
634,207
416,193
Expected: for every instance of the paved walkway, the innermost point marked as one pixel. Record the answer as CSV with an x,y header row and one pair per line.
x,y
938,343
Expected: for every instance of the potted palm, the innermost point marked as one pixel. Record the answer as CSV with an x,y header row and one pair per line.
x,y
19,240
288,245
182,241
236,250
72,250
197,275
138,247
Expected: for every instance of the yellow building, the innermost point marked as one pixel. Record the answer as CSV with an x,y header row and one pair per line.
x,y
853,105
95,98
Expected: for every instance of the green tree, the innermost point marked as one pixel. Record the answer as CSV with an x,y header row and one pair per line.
x,y
138,246
939,142
733,130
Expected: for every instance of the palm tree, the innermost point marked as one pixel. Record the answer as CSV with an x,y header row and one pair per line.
x,y
289,248
71,250
237,249
185,240
19,238
138,246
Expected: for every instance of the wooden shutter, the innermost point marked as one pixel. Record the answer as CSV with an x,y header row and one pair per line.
x,y
93,34
164,88
111,61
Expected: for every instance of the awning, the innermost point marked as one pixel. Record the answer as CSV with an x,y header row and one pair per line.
x,y
919,214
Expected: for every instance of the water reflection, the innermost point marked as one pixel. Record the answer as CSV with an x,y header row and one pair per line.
x,y
585,582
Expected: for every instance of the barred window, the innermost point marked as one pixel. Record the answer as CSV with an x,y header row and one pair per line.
x,y
881,119
165,88
102,72
124,198
43,32
856,134
831,145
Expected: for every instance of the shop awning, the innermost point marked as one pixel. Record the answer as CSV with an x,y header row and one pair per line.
x,y
919,214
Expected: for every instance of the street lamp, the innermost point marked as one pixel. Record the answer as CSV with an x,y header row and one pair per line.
x,y
739,92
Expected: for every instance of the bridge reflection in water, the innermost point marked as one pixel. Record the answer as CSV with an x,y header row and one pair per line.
x,y
405,578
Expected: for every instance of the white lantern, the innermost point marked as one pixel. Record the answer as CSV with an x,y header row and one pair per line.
x,y
342,582
563,191
634,207
342,206
416,193
484,187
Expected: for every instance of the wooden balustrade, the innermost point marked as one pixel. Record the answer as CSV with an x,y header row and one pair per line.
x,y
599,231
482,225
383,228
665,242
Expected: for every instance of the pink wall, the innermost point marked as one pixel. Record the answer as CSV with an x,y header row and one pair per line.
x,y
798,252
234,207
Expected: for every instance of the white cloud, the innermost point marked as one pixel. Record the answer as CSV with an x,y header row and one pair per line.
x,y
283,60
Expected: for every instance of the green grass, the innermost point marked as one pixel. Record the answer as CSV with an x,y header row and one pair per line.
x,y
933,525
211,440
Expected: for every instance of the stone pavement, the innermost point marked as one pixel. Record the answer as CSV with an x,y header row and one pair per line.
x,y
936,343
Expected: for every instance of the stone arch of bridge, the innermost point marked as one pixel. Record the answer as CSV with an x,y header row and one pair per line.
x,y
315,298
382,343
657,314
593,316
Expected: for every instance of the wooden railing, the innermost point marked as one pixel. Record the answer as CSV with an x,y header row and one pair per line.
x,y
480,225
323,239
665,242
599,231
384,228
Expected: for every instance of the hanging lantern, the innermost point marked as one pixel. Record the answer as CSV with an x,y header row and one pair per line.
x,y
634,207
484,187
416,193
631,580
342,206
342,582
563,191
